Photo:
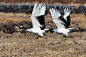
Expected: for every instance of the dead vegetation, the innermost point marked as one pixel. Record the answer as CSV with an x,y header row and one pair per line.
x,y
19,43
8,24
45,2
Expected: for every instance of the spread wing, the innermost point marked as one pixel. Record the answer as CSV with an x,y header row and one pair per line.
x,y
58,19
37,16
67,15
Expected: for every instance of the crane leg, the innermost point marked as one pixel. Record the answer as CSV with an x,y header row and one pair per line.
x,y
61,41
38,37
73,39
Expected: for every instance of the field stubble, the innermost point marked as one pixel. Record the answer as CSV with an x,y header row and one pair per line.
x,y
25,44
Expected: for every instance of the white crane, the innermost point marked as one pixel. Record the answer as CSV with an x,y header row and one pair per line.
x,y
62,23
38,21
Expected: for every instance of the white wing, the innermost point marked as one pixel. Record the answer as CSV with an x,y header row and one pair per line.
x,y
38,10
43,9
66,13
57,18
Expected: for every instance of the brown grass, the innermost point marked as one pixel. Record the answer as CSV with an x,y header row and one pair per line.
x,y
26,45
45,2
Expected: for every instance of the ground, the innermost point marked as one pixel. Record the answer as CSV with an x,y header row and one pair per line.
x,y
25,44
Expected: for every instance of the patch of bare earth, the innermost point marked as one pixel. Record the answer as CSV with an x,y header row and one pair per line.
x,y
26,45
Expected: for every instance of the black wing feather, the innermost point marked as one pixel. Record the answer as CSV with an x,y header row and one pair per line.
x,y
41,20
68,20
66,23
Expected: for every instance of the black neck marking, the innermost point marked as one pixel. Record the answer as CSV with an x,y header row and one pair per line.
x,y
23,28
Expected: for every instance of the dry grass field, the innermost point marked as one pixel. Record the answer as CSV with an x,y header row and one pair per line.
x,y
45,2
25,44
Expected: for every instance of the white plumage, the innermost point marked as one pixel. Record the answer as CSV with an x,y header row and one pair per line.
x,y
66,13
37,17
61,22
